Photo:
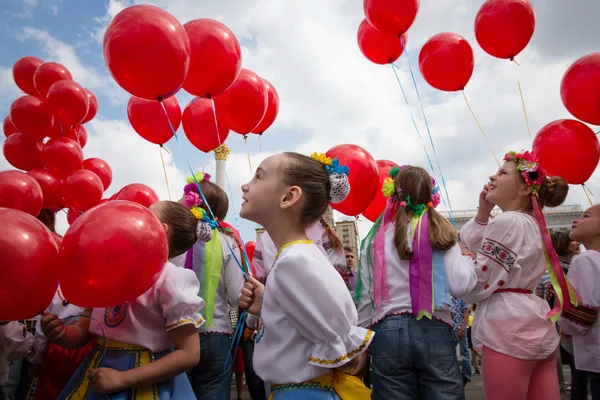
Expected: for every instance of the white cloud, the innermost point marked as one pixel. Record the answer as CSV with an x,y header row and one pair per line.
x,y
112,8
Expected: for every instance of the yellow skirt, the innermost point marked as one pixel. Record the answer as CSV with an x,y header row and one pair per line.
x,y
347,387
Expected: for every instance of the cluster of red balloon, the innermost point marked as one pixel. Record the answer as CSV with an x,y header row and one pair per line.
x,y
205,59
382,34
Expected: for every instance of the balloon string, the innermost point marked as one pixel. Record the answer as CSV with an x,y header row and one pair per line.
x,y
585,190
522,98
162,160
248,153
214,108
479,125
260,143
78,133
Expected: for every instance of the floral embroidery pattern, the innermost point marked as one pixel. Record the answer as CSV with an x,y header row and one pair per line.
x,y
484,268
258,255
114,316
498,253
327,245
486,287
501,282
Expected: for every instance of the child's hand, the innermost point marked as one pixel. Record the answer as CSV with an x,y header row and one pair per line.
x,y
106,380
252,295
52,327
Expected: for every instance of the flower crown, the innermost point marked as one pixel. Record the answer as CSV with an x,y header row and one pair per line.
x,y
530,168
338,177
389,187
193,201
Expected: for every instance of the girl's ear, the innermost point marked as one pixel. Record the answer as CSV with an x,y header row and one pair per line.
x,y
165,227
291,197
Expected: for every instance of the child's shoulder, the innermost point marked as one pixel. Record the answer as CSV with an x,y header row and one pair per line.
x,y
591,257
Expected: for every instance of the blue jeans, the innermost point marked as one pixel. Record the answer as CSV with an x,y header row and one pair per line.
x,y
465,355
206,377
415,360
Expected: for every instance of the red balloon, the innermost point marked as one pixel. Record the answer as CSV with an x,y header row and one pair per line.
x,y
77,133
112,254
391,16
72,215
199,124
23,72
22,153
21,192
250,246
57,239
100,168
8,128
149,120
93,109
216,58
51,188
569,149
363,178
68,101
138,193
504,27
62,156
32,117
82,190
48,74
378,204
580,89
379,47
29,273
446,61
245,102
147,52
272,109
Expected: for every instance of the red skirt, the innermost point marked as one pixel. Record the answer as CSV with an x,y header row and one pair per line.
x,y
57,368
238,363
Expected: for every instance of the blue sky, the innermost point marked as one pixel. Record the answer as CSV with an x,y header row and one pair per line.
x,y
329,93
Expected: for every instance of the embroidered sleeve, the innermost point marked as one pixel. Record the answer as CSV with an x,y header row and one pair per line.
x,y
472,234
320,308
258,263
584,275
177,295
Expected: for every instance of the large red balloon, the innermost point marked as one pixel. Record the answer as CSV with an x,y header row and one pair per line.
x,y
112,254
21,192
379,47
8,127
446,61
82,190
580,89
62,156
378,204
391,16
93,109
245,102
569,149
250,247
363,178
57,239
23,72
69,102
78,134
272,109
32,117
138,193
148,118
22,153
147,52
504,27
51,188
29,273
199,124
48,74
216,58
100,168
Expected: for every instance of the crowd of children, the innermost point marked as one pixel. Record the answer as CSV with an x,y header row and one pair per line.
x,y
314,325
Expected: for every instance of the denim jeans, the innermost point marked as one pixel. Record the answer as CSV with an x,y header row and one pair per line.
x,y
206,377
465,355
415,360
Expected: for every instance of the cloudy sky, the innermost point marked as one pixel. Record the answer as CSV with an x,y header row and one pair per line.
x,y
329,93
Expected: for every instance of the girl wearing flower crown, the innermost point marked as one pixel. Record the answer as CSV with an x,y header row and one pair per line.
x,y
410,265
514,330
145,345
308,326
214,259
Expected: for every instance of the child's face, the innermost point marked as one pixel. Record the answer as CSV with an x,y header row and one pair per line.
x,y
263,193
587,227
505,187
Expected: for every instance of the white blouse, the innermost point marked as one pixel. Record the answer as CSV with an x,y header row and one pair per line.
x,y
15,342
230,283
308,319
510,256
584,275
172,302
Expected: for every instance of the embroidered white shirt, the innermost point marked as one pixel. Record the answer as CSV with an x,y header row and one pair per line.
x,y
308,319
230,283
15,343
584,275
172,302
